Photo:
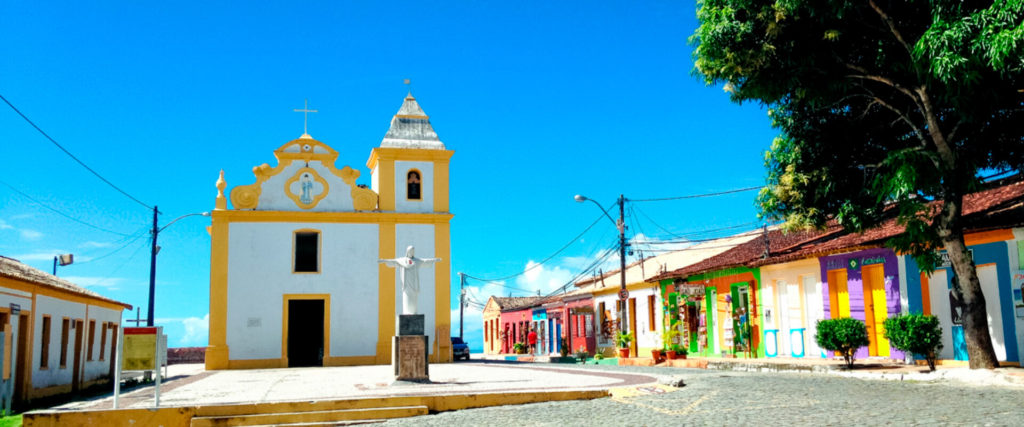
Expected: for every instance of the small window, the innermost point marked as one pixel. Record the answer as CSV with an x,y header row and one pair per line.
x,y
44,360
92,338
307,252
413,180
103,339
65,332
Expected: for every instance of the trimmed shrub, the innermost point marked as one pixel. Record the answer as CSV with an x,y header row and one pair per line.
x,y
915,333
843,335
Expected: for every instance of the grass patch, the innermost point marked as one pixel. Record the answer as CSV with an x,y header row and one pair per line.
x,y
10,421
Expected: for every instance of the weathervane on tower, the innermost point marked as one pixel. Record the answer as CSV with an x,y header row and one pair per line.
x,y
305,118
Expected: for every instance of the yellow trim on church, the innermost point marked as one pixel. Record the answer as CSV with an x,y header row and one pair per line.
x,y
370,208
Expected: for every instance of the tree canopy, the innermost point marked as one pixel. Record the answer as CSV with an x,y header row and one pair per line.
x,y
883,107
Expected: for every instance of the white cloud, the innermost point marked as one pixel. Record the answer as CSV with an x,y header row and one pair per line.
x,y
91,244
197,330
543,277
95,282
5,226
46,255
30,234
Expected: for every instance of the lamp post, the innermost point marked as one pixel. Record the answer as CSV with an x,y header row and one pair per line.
x,y
621,225
152,258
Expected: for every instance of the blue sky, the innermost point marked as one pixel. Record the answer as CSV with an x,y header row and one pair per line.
x,y
539,100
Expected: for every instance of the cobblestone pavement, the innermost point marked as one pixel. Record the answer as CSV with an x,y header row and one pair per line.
x,y
741,398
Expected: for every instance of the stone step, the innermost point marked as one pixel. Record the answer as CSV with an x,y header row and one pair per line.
x,y
328,417
306,406
325,424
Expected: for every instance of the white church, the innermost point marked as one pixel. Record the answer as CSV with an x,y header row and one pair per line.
x,y
294,272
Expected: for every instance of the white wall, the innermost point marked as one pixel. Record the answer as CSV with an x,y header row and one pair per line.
x,y
260,273
426,204
273,196
790,308
644,336
421,237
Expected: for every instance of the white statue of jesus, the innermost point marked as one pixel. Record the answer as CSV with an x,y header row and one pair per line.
x,y
409,274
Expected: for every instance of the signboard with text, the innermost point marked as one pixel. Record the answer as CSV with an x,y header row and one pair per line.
x,y
140,349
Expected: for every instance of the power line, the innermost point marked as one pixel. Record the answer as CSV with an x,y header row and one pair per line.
x,y
597,262
72,155
695,196
136,238
692,233
549,258
61,213
130,258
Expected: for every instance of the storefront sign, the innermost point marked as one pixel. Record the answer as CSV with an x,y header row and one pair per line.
x,y
691,289
945,261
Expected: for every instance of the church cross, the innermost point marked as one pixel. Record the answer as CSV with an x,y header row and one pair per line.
x,y
305,117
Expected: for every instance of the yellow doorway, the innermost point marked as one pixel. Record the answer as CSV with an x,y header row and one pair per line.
x,y
875,308
838,297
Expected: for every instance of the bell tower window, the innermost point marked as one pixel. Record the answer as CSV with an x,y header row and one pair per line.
x,y
412,181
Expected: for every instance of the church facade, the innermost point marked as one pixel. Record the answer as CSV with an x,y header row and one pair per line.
x,y
294,272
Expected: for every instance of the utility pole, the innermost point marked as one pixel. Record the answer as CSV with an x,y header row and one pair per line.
x,y
622,261
462,299
152,270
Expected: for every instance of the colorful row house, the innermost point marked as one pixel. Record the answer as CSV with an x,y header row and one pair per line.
x,y
645,305
761,293
763,298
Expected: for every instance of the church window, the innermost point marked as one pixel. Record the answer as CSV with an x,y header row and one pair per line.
x,y
307,252
413,181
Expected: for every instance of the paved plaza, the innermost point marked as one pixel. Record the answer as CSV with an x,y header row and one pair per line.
x,y
709,397
190,385
712,397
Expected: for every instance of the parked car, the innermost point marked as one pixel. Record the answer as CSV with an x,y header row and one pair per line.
x,y
459,349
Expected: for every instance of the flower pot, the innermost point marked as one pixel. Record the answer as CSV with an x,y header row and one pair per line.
x,y
671,354
624,353
657,356
682,355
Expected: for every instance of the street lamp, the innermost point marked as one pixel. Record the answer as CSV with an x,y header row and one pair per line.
x,y
152,258
621,225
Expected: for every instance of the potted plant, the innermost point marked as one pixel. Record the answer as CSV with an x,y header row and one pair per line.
x,y
623,339
668,340
582,354
679,351
519,348
563,347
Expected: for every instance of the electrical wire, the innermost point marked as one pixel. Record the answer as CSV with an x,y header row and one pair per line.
x,y
545,260
597,262
112,273
72,155
695,196
136,237
693,233
58,212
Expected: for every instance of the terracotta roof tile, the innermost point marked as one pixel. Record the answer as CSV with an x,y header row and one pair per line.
x,y
15,269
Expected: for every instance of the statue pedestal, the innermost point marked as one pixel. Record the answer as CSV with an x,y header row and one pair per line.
x,y
410,350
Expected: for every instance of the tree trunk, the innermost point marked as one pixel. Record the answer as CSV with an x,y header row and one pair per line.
x,y
980,353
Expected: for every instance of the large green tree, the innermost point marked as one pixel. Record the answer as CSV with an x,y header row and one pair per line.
x,y
885,108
